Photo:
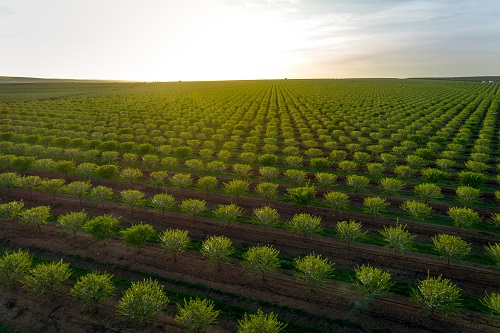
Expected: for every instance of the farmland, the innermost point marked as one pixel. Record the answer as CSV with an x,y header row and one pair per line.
x,y
294,165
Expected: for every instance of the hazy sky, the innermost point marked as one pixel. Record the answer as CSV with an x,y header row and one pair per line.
x,y
169,40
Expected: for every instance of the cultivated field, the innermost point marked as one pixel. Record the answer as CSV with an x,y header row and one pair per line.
x,y
342,203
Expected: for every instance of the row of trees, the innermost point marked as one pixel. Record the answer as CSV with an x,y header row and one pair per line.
x,y
142,302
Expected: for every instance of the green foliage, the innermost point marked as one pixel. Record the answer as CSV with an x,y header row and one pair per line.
x,y
101,226
267,190
266,216
143,301
260,322
357,182
437,295
137,235
268,159
463,216
398,238
52,186
492,302
174,241
493,251
444,164
197,314
8,179
337,156
163,201
428,191
450,246
14,266
302,195
472,179
296,176
193,207
11,210
228,213
418,210
78,188
375,169
375,205
236,188
313,269
468,195
404,171
132,198
45,278
263,259
217,249
86,169
93,288
391,185
325,180
349,231
108,171
72,221
101,193
207,183
373,282
347,166
181,180
130,174
433,175
158,177
388,159
320,163
35,216
337,200
65,167
305,224
269,173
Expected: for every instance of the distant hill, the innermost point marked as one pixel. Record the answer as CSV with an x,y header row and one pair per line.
x,y
461,78
10,79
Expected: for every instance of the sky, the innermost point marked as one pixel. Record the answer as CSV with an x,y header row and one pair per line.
x,y
190,40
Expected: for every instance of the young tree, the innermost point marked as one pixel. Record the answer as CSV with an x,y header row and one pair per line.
x,y
492,302
472,179
207,184
375,205
8,179
78,188
236,188
267,190
36,216
158,177
296,176
398,238
217,249
181,180
450,246
403,171
72,221
93,288
65,167
437,295
266,216
197,314
107,171
143,301
263,259
52,186
325,180
242,170
313,269
228,213
101,226
305,224
14,266
132,198
372,281
463,216
260,322
337,200
137,235
428,191
375,169
193,207
11,210
493,251
268,173
418,210
349,231
130,174
357,182
86,169
347,166
150,161
101,193
302,195
28,182
163,201
174,241
45,278
468,195
391,185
